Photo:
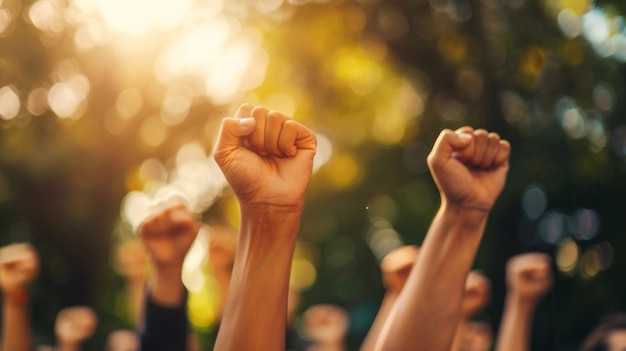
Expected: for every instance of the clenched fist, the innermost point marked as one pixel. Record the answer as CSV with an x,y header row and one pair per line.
x,y
266,157
326,324
469,167
396,267
529,276
168,235
477,293
18,268
74,325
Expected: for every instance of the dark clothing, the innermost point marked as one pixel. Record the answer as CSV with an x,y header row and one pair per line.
x,y
164,328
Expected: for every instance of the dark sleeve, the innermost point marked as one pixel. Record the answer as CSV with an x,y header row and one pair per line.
x,y
164,328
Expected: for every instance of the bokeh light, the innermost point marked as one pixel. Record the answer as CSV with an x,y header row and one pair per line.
x,y
9,103
534,201
567,256
553,227
382,238
584,224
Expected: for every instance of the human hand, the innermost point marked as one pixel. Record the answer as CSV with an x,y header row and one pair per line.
x,y
122,340
529,276
469,167
18,268
325,324
168,235
74,325
477,293
396,267
266,157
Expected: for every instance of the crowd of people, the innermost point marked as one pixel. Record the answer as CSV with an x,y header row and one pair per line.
x,y
432,295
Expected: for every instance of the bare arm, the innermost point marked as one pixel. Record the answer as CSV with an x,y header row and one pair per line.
x,y
476,297
267,158
167,237
529,278
395,268
469,168
18,268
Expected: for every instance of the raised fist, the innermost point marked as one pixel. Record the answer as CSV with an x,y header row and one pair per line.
x,y
168,235
325,324
477,293
469,167
529,276
396,266
266,157
74,325
18,267
122,340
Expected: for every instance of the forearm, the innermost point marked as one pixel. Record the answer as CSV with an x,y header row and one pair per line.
x,y
458,335
135,294
16,329
516,325
222,277
256,307
383,312
427,311
166,288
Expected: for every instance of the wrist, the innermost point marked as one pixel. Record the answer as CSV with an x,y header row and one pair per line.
x,y
467,216
521,300
270,222
19,297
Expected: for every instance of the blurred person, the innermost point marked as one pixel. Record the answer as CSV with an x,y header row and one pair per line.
x,y
19,265
74,326
609,335
326,326
528,278
130,261
222,248
476,336
167,236
395,268
267,159
476,297
469,168
122,340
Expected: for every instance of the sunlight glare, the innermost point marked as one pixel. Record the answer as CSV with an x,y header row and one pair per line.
x,y
139,17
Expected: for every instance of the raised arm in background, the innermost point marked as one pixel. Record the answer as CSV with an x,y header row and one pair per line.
x,y
476,297
74,326
267,158
18,268
130,262
327,326
469,168
529,278
167,236
395,268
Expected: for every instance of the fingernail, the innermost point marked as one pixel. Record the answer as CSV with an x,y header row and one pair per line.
x,y
465,136
247,122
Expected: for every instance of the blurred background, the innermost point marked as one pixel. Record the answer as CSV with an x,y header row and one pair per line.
x,y
109,106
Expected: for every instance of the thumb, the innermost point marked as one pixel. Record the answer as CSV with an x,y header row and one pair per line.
x,y
229,137
447,144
